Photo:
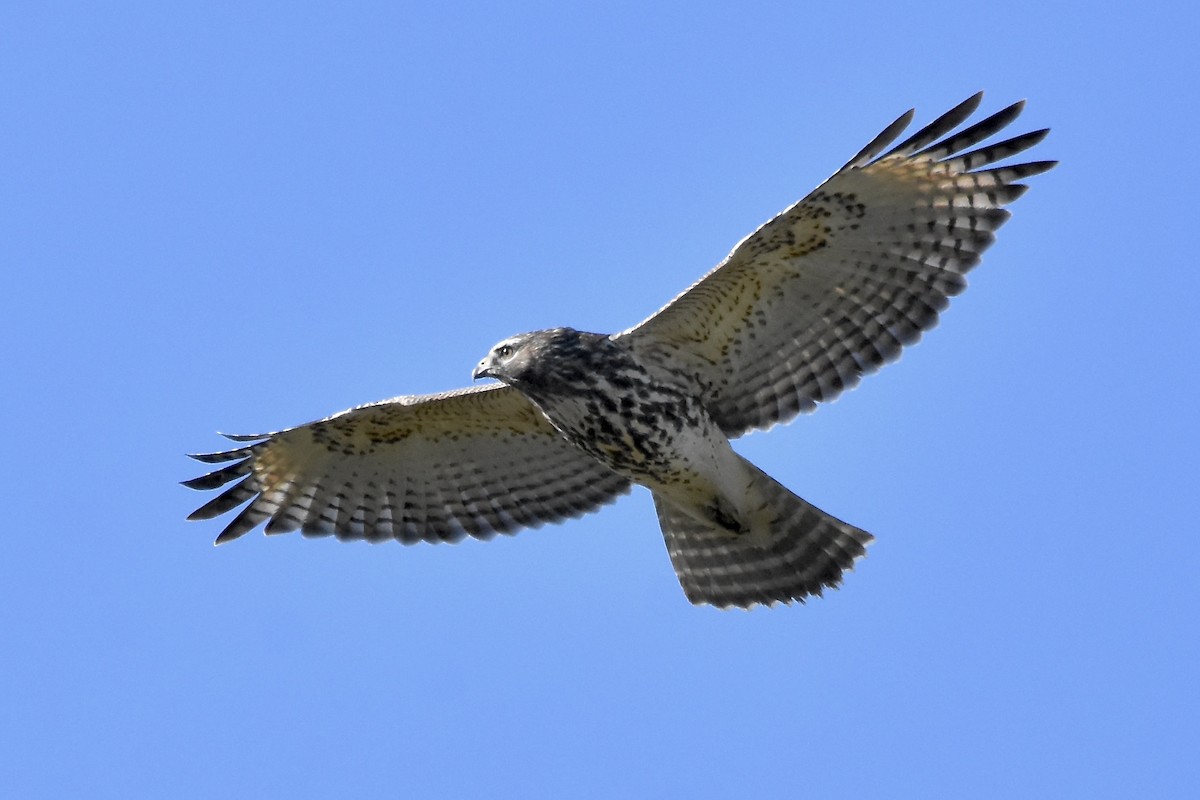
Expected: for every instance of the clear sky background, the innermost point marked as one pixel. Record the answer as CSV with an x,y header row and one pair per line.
x,y
243,216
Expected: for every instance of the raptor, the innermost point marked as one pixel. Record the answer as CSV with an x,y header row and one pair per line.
x,y
827,291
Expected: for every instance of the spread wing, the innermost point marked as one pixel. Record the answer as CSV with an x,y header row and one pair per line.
x,y
473,462
832,288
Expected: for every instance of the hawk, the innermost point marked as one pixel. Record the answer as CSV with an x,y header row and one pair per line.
x,y
829,290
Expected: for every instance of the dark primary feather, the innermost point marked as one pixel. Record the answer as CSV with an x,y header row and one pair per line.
x,y
885,137
934,130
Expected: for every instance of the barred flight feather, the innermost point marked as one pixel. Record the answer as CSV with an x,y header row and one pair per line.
x,y
887,240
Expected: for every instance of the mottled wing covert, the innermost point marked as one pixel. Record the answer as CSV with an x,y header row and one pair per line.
x,y
833,287
472,462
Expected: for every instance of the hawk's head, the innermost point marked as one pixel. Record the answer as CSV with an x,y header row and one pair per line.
x,y
536,358
506,361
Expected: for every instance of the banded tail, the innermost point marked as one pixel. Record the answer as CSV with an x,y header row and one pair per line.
x,y
800,552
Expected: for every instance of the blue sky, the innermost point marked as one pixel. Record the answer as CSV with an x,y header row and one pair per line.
x,y
244,216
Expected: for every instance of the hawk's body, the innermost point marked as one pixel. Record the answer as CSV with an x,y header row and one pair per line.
x,y
643,421
829,290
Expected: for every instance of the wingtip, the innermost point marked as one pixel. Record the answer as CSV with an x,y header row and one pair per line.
x,y
221,456
243,437
882,140
226,536
970,105
1015,192
1037,136
1014,110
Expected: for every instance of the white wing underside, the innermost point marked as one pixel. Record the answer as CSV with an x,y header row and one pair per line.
x,y
475,462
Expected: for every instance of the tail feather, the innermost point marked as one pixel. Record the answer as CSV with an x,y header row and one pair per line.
x,y
801,550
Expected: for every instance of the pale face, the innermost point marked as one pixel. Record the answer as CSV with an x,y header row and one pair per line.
x,y
505,361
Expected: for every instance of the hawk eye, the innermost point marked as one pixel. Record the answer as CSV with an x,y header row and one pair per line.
x,y
504,351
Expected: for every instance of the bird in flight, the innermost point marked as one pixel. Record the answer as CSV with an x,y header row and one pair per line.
x,y
829,290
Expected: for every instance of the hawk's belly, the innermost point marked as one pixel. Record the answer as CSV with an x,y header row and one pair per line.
x,y
656,435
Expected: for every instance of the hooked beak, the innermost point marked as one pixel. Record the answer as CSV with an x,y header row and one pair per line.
x,y
483,370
